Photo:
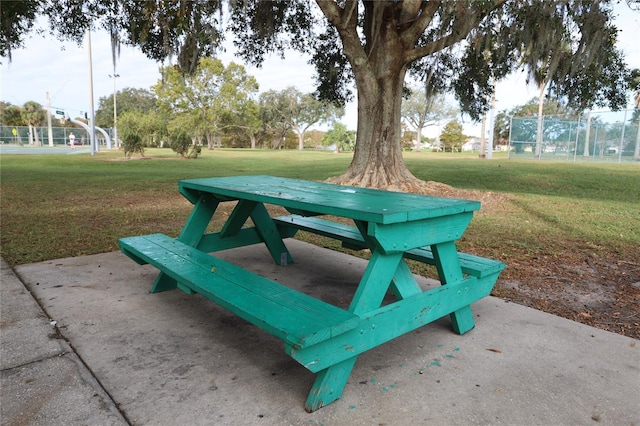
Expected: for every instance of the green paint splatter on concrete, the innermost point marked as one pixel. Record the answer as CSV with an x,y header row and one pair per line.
x,y
351,407
456,349
440,345
435,364
374,381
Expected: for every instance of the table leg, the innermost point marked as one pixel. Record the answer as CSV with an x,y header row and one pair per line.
x,y
448,266
404,283
270,235
329,384
264,226
375,282
191,234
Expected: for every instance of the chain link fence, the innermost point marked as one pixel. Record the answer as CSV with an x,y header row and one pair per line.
x,y
612,136
39,136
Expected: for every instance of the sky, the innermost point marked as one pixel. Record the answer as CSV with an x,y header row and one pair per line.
x,y
46,64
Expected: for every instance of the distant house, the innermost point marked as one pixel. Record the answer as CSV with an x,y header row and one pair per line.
x,y
471,145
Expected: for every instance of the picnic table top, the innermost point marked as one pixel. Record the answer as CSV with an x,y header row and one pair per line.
x,y
372,205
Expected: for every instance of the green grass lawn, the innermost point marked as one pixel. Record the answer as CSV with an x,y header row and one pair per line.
x,y
59,206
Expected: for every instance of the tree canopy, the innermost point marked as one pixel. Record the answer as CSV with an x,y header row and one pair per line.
x,y
291,109
452,137
33,114
128,99
203,102
457,46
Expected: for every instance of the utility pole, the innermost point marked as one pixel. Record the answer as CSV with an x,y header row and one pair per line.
x,y
49,120
585,152
483,137
491,121
115,110
92,116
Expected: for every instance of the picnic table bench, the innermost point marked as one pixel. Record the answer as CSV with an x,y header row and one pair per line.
x,y
322,337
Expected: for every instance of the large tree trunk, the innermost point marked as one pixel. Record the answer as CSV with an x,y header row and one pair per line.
x,y
419,138
379,56
377,160
210,141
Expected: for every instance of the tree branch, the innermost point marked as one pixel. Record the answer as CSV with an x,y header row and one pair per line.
x,y
464,22
346,23
411,35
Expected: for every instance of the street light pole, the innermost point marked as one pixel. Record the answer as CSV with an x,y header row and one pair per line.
x,y
92,116
115,110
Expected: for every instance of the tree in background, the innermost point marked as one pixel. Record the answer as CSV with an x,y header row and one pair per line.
x,y
33,115
377,42
373,44
151,126
246,123
422,109
452,137
340,137
290,109
129,99
305,111
275,126
205,101
10,114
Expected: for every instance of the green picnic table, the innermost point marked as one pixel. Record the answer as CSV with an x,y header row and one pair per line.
x,y
322,337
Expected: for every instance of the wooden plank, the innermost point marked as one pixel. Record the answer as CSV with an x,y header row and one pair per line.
x,y
213,242
393,320
191,234
471,265
366,204
326,228
298,319
400,237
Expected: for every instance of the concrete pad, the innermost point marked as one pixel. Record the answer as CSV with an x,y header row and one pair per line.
x,y
25,330
42,382
55,391
180,359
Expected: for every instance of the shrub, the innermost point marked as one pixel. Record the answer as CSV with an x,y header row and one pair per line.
x,y
132,143
182,144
